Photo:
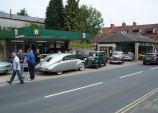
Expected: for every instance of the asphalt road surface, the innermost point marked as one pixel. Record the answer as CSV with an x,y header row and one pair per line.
x,y
105,91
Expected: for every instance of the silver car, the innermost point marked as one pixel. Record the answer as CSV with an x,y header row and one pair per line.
x,y
60,62
5,67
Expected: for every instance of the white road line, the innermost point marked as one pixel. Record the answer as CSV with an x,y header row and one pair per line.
x,y
153,68
73,90
131,74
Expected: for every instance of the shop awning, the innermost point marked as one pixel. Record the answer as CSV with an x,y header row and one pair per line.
x,y
43,35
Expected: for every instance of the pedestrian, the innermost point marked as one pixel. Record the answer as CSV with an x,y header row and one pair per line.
x,y
16,70
30,58
21,59
37,57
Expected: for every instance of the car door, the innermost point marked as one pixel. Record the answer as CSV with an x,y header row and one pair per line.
x,y
74,61
68,63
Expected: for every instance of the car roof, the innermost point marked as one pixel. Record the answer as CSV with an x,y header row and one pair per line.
x,y
97,51
59,54
118,52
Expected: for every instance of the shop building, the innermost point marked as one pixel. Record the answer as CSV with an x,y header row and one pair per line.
x,y
126,42
43,39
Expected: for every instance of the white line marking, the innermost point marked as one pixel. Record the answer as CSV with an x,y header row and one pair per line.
x,y
73,90
131,74
153,68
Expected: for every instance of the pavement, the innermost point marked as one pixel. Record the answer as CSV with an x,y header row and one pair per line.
x,y
41,76
131,87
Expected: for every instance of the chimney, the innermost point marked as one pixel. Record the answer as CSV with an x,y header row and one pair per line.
x,y
112,25
10,13
134,24
123,24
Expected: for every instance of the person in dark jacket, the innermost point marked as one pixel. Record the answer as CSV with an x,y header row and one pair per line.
x,y
37,57
30,58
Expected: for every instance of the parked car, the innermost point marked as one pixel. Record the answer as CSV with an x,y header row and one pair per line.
x,y
96,59
150,58
60,62
117,57
129,56
5,67
83,54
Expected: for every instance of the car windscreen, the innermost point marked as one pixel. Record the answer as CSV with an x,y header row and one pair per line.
x,y
149,54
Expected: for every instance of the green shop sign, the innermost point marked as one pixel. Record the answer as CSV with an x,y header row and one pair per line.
x,y
145,44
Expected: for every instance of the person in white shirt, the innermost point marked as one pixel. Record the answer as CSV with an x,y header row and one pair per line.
x,y
16,70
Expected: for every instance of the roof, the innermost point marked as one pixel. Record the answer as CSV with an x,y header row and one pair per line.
x,y
107,30
22,18
125,37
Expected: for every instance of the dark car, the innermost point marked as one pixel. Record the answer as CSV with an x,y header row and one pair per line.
x,y
129,56
150,58
96,59
117,57
83,54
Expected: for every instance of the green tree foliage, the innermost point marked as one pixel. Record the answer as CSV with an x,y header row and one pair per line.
x,y
34,25
72,16
22,12
54,15
92,20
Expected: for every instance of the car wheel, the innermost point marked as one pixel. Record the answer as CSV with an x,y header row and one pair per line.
x,y
59,72
121,63
144,63
99,64
82,67
110,62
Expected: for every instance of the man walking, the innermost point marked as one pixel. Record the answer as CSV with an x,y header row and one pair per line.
x,y
21,58
16,70
31,64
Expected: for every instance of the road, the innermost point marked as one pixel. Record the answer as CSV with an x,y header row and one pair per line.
x,y
105,91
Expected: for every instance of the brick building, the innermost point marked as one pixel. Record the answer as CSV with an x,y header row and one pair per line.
x,y
147,30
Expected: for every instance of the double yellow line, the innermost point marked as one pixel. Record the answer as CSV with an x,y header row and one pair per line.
x,y
138,101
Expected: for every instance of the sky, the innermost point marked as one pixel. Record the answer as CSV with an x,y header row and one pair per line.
x,y
113,11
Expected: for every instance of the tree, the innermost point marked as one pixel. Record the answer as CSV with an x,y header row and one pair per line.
x,y
54,15
34,25
22,12
92,20
72,16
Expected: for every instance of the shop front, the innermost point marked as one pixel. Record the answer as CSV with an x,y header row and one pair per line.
x,y
41,39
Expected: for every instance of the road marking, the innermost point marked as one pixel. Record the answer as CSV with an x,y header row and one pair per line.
x,y
153,68
73,90
138,101
131,74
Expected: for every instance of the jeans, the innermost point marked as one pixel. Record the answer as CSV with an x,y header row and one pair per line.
x,y
21,68
19,75
31,67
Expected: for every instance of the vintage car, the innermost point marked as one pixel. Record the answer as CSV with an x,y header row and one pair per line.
x,y
60,62
117,57
5,67
96,59
150,58
129,56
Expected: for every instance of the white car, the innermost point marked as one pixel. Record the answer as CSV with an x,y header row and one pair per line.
x,y
60,62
